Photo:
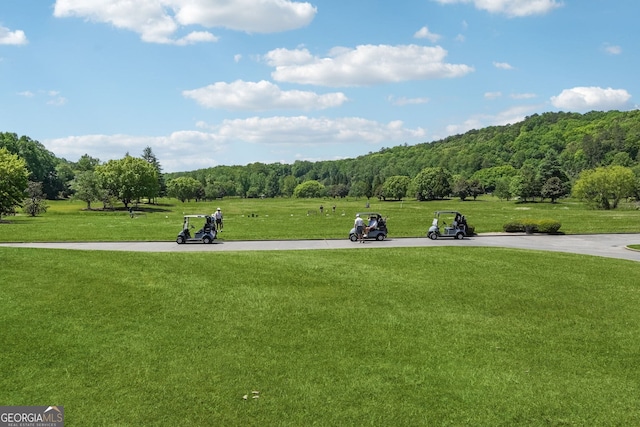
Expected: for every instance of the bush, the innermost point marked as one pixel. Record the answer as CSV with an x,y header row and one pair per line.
x,y
513,227
549,226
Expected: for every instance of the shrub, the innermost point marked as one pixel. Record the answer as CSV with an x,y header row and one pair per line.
x,y
532,226
548,226
513,227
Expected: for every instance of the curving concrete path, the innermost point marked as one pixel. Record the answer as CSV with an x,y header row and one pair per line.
x,y
603,245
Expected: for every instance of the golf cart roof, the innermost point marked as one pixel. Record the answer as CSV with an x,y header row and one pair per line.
x,y
196,216
369,214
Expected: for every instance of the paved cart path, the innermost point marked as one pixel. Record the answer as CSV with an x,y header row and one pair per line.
x,y
604,245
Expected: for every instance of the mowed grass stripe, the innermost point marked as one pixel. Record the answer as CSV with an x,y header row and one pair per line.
x,y
408,336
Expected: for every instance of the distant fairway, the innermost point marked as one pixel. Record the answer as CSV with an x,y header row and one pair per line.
x,y
410,336
265,219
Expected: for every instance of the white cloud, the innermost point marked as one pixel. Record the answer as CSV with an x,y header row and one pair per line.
x,y
492,95
158,21
184,150
591,98
8,37
511,115
262,95
364,65
612,49
27,94
523,95
502,65
402,101
424,33
190,150
308,130
511,8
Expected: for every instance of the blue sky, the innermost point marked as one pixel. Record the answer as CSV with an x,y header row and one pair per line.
x,y
231,82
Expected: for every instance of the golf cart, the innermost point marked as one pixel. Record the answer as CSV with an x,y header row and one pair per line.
x,y
375,227
206,234
439,227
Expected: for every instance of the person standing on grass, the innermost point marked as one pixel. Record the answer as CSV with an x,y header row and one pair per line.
x,y
217,215
359,226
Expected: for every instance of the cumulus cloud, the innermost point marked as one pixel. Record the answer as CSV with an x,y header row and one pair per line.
x,y
189,150
364,65
492,95
591,98
308,130
181,150
158,21
511,8
259,96
8,37
511,115
424,33
502,65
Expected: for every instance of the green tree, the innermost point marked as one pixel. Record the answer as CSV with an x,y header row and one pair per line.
x,y
395,187
129,179
461,188
311,188
289,184
526,184
147,154
14,178
87,163
86,187
358,189
503,188
553,189
34,204
604,187
431,184
183,188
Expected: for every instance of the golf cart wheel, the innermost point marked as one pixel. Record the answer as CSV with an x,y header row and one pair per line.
x,y
206,240
433,236
460,236
180,240
353,237
380,237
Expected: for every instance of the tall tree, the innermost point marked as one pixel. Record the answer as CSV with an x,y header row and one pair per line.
x,y
129,179
86,187
151,158
34,204
604,187
13,181
431,184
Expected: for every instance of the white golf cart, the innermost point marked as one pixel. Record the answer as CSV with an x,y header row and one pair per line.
x,y
207,234
457,226
375,227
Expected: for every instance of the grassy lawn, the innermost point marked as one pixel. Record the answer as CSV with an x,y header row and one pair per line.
x,y
427,336
255,219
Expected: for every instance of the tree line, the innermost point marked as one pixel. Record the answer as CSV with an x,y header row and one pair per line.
x,y
543,157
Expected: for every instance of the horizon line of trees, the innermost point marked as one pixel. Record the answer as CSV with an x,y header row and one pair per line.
x,y
542,157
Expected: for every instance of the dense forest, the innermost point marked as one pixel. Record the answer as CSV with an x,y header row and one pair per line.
x,y
573,141
562,144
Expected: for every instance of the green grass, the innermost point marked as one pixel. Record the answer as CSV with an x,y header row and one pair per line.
x,y
255,219
426,336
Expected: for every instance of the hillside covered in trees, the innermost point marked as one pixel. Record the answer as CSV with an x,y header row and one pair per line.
x,y
556,144
573,142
